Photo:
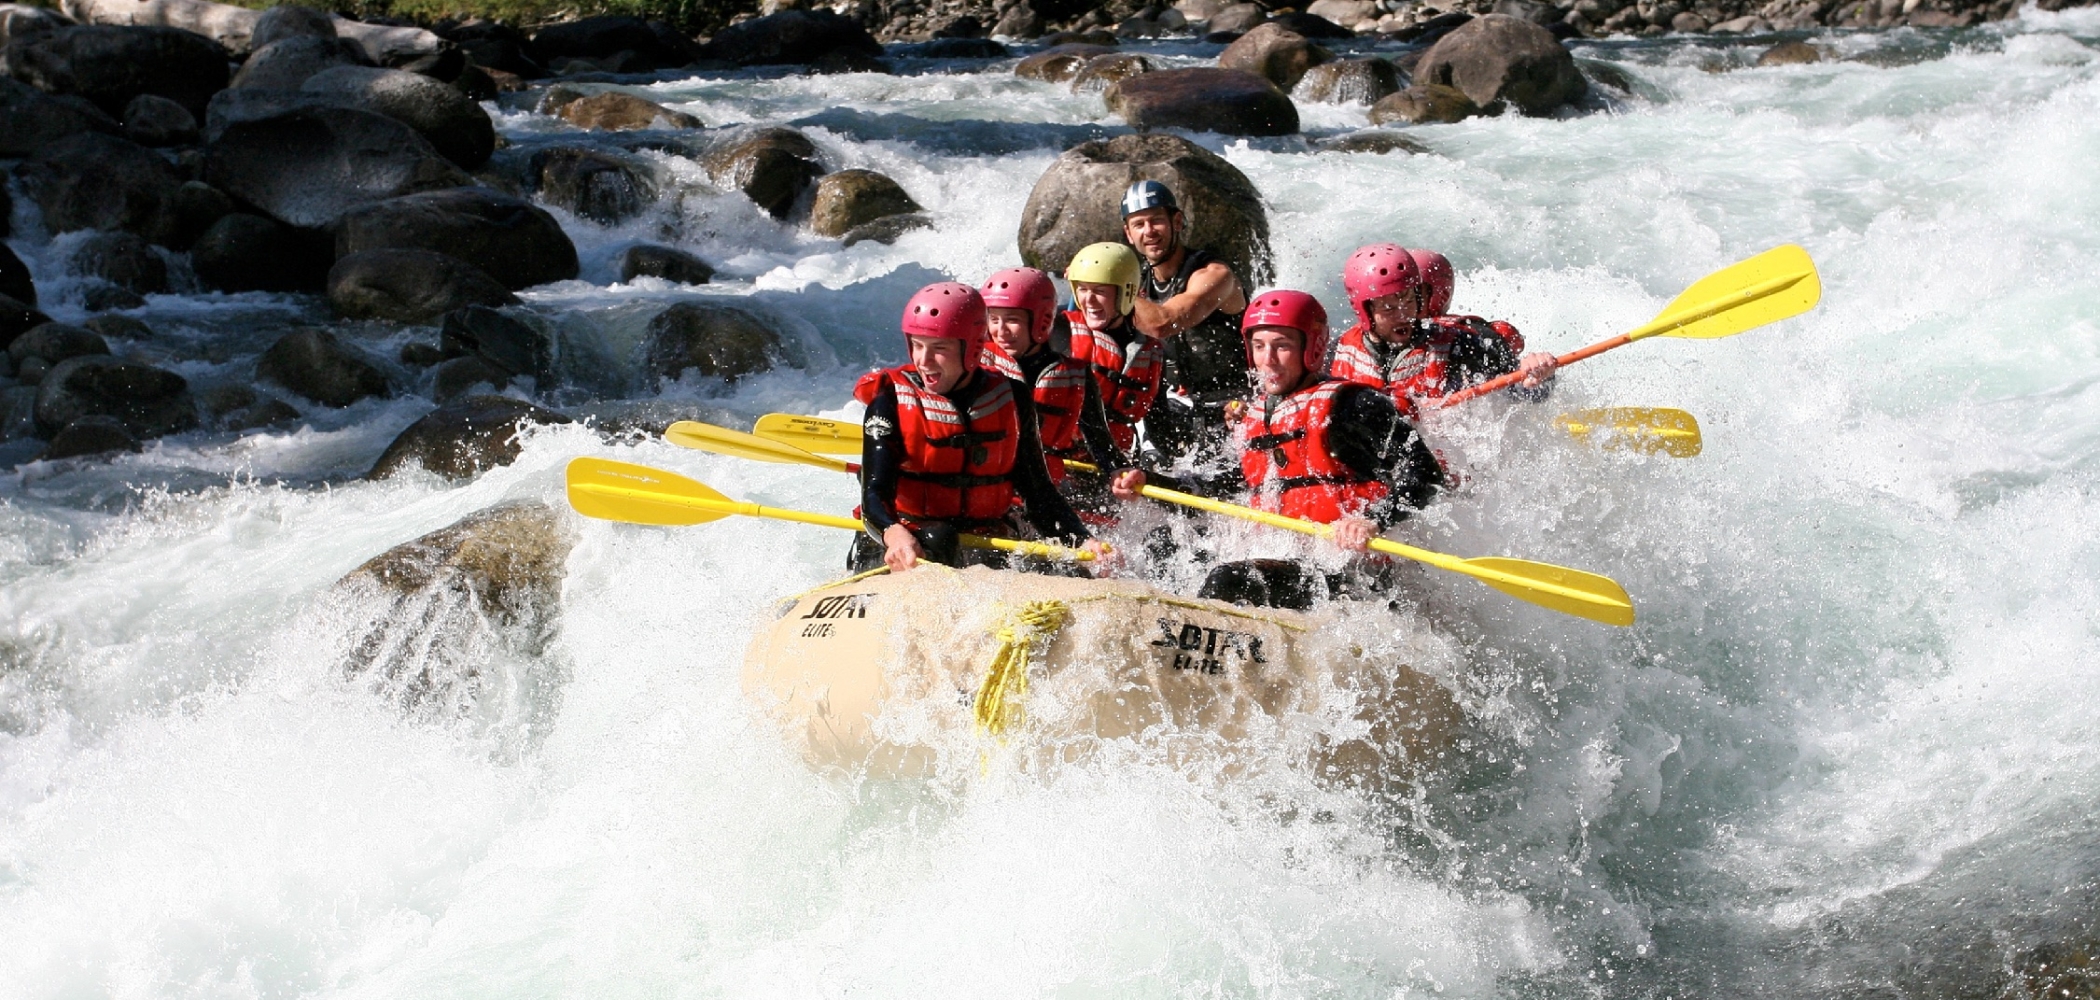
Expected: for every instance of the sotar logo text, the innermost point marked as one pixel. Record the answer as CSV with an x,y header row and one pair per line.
x,y
1204,650
842,606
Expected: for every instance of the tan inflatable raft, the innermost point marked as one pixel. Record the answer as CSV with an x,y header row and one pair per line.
x,y
892,675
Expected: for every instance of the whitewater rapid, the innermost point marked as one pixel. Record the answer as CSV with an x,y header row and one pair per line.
x,y
1847,751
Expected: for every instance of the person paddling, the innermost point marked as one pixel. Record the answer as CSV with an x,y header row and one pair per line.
x,y
948,447
1313,447
1020,309
1190,300
1404,343
1127,365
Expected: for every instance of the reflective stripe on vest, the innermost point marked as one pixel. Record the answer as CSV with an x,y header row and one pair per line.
x,y
1288,465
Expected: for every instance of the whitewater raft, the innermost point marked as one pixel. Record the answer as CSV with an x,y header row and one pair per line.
x,y
891,674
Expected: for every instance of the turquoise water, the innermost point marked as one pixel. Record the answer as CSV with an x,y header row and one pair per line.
x,y
1847,751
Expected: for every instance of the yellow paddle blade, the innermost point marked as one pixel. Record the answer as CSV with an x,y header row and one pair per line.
x,y
1646,429
1769,287
723,441
813,434
638,494
1568,591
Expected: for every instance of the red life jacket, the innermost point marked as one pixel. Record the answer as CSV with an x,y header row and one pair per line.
x,y
1418,372
1287,463
867,386
958,465
1128,377
1060,393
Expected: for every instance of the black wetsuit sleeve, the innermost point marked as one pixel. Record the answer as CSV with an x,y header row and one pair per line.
x,y
881,462
1483,354
1046,508
1372,438
1093,431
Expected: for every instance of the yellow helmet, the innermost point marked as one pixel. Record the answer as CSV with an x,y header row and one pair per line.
x,y
1108,264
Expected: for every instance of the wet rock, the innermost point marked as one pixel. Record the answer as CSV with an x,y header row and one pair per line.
x,y
1059,63
497,46
111,64
22,21
887,229
195,208
1424,104
32,371
17,413
461,439
843,61
1077,201
851,198
309,166
418,355
31,120
1348,81
225,24
557,97
716,339
1500,58
772,166
117,327
509,344
122,259
1347,14
409,285
1274,53
790,36
16,318
317,366
609,35
1237,18
155,121
1203,100
288,64
599,185
456,127
103,297
392,46
1019,21
461,376
1545,15
1371,141
289,20
94,435
56,342
1308,24
1101,72
1790,54
667,263
96,181
220,400
265,412
250,253
15,282
510,239
148,401
613,111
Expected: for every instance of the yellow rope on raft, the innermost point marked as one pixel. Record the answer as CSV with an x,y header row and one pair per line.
x,y
1026,634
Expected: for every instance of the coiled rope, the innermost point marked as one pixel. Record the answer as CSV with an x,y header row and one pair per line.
x,y
1026,634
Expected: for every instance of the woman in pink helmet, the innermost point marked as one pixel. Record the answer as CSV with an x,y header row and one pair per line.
x,y
947,447
1020,308
1404,343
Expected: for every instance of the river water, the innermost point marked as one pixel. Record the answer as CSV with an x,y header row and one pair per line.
x,y
1848,750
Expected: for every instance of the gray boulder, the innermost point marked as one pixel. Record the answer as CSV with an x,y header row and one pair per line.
x,y
1059,62
790,36
97,181
599,185
225,24
509,239
456,127
111,64
614,111
91,435
252,253
1502,58
608,35
850,198
461,439
56,342
1424,104
319,367
407,285
1077,202
1238,18
290,20
463,376
1275,53
772,166
1101,72
506,342
287,64
308,166
148,401
31,120
21,21
716,339
123,259
154,121
1348,81
1203,99
668,263
887,229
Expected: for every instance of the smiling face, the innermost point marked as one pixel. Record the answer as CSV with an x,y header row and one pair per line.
x,y
1155,232
939,361
1279,358
1097,303
1393,316
1012,329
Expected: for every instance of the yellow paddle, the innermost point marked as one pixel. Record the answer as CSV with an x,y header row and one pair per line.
x,y
1769,287
1637,428
811,434
723,441
638,494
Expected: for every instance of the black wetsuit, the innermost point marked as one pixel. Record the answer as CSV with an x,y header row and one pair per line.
x,y
1206,363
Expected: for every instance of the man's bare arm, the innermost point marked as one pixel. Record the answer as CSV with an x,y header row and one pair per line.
x,y
1210,289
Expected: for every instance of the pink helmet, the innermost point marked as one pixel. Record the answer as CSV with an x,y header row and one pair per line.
x,y
948,310
1024,288
1376,271
1437,277
1295,310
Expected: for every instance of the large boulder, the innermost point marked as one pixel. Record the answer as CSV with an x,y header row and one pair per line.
x,y
97,181
56,342
600,185
1236,19
1424,104
614,111
790,36
1059,62
308,166
1310,25
1203,99
110,65
851,198
1348,81
91,435
463,438
15,282
288,63
497,46
149,401
290,20
388,45
609,35
252,253
716,339
1078,201
316,365
772,166
21,21
123,259
510,239
226,24
1349,14
507,343
1502,58
668,263
16,318
1274,53
1102,72
409,285
154,121
456,127
31,120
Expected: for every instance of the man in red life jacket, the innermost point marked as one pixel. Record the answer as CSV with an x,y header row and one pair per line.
x,y
1314,447
1127,365
1403,343
948,447
1192,301
1020,308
